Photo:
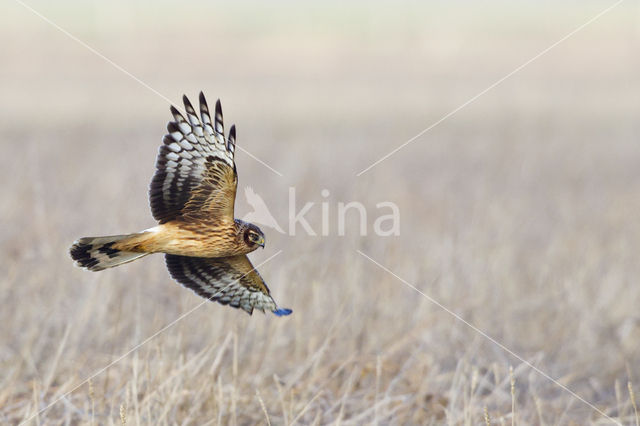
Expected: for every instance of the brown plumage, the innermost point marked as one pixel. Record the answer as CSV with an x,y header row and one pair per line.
x,y
192,196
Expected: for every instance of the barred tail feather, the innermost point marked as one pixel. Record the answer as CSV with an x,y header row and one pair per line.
x,y
98,253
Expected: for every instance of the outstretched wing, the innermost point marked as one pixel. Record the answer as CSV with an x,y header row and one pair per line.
x,y
230,280
196,174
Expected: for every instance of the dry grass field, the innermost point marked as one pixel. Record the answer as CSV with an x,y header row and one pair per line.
x,y
520,214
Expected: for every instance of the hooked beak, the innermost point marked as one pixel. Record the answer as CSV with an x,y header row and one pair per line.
x,y
261,242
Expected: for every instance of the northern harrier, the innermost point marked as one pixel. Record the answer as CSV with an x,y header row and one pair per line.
x,y
192,195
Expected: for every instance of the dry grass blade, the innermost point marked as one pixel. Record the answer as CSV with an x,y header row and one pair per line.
x,y
264,408
513,395
632,397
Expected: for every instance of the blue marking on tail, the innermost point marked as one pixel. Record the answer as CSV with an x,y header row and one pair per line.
x,y
282,312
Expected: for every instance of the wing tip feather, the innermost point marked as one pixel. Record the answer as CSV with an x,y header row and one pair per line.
x,y
174,111
282,312
187,105
203,101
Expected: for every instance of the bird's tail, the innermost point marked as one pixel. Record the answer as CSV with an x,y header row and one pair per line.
x,y
98,253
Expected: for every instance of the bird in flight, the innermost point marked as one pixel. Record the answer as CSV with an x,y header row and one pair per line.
x,y
192,196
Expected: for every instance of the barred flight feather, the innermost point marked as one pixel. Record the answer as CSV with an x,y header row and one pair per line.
x,y
187,151
229,280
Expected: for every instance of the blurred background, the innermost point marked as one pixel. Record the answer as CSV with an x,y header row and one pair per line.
x,y
519,212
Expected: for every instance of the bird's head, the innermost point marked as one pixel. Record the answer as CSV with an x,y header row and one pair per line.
x,y
253,236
